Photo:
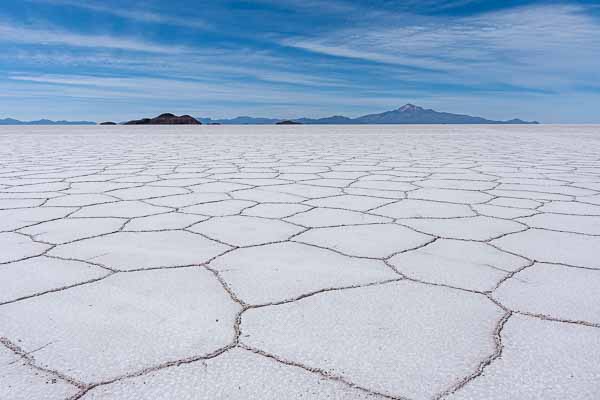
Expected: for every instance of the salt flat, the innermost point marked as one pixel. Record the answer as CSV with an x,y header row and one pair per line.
x,y
312,262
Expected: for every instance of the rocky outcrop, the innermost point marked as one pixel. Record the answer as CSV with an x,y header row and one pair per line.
x,y
288,122
108,123
166,119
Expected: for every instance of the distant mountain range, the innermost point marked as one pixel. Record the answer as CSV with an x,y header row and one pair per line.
x,y
241,121
10,121
407,114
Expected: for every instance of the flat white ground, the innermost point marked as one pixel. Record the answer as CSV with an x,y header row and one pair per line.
x,y
403,262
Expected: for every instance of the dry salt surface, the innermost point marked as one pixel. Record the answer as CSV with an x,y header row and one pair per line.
x,y
332,262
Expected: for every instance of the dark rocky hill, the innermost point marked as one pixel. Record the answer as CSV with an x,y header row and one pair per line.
x,y
166,119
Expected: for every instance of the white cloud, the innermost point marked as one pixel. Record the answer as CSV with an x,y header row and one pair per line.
x,y
21,34
317,6
87,86
137,14
518,46
211,64
547,47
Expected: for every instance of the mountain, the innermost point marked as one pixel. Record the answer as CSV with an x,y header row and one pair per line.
x,y
240,121
335,120
411,114
166,119
10,121
407,114
517,121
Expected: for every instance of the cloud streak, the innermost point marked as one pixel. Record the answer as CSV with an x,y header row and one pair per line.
x,y
179,90
501,45
140,15
56,37
342,57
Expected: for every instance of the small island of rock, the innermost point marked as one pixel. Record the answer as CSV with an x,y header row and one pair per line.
x,y
288,122
166,119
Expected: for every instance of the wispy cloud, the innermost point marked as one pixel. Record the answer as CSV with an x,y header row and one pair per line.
x,y
22,34
137,14
188,90
529,41
336,57
317,6
207,64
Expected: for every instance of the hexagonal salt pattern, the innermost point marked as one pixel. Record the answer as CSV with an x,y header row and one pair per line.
x,y
451,195
43,274
275,210
322,217
384,338
540,360
237,374
121,209
124,323
18,381
551,246
168,221
468,228
142,250
411,262
19,218
70,229
468,265
586,224
424,209
219,208
374,241
555,291
282,271
246,231
349,202
17,247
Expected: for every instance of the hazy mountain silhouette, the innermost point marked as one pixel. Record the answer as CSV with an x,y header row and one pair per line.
x,y
411,114
241,121
10,121
407,114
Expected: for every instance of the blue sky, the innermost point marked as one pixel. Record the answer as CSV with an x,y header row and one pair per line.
x,y
116,60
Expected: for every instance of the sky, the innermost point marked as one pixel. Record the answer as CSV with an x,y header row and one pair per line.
x,y
115,60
